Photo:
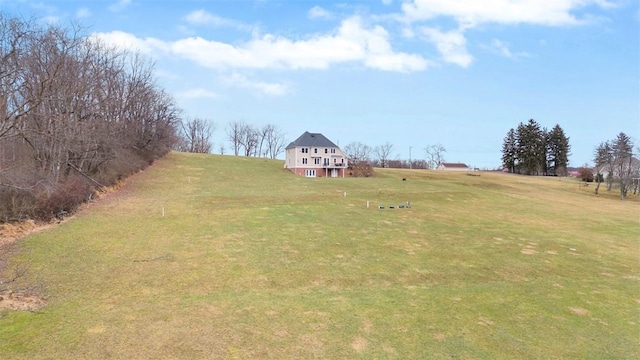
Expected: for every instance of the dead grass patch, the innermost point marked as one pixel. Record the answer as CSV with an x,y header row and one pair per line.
x,y
11,232
19,301
529,250
578,311
484,321
359,344
439,336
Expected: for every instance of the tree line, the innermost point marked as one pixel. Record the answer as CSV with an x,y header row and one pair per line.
x,y
533,150
75,115
380,156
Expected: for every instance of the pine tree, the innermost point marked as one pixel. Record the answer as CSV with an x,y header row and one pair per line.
x,y
604,161
509,151
531,148
558,151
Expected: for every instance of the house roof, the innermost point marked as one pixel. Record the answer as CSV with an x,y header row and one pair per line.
x,y
454,165
312,140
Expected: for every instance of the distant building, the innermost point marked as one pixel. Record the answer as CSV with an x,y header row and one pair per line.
x,y
454,167
313,155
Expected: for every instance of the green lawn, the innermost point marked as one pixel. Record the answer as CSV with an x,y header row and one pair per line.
x,y
250,261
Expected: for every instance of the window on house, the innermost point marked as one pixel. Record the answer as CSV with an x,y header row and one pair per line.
x,y
310,173
326,151
304,160
333,151
316,161
315,151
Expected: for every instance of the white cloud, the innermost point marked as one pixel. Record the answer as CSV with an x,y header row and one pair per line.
x,y
51,19
501,48
473,12
130,42
317,12
83,13
40,6
273,89
351,42
387,2
203,17
451,45
197,94
119,5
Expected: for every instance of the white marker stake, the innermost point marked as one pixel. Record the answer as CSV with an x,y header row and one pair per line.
x,y
163,211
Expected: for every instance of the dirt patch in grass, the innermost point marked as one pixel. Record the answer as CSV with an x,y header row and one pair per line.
x,y
19,301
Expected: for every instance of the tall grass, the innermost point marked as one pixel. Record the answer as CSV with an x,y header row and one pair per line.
x,y
207,256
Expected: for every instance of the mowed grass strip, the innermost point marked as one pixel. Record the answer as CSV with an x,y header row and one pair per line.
x,y
205,256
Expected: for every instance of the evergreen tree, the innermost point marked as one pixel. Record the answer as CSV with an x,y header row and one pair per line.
x,y
604,163
558,151
531,148
509,151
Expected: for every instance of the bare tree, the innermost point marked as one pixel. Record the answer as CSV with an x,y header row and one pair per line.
x,y
249,140
72,108
383,152
262,137
275,141
615,157
357,152
197,135
623,153
435,155
234,135
14,39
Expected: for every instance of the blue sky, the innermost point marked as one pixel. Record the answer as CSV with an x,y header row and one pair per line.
x,y
412,73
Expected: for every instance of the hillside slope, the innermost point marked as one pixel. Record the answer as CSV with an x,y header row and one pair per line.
x,y
221,257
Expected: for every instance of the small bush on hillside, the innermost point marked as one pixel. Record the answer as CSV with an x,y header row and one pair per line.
x,y
63,198
16,204
362,169
585,174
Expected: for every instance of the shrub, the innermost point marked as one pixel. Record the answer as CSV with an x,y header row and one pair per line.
x,y
16,204
63,198
585,174
361,169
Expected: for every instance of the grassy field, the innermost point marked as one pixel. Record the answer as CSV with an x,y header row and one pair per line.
x,y
236,258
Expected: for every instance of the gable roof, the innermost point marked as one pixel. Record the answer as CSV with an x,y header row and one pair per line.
x,y
312,140
454,165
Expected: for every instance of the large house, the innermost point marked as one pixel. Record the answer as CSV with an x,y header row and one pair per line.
x,y
313,155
